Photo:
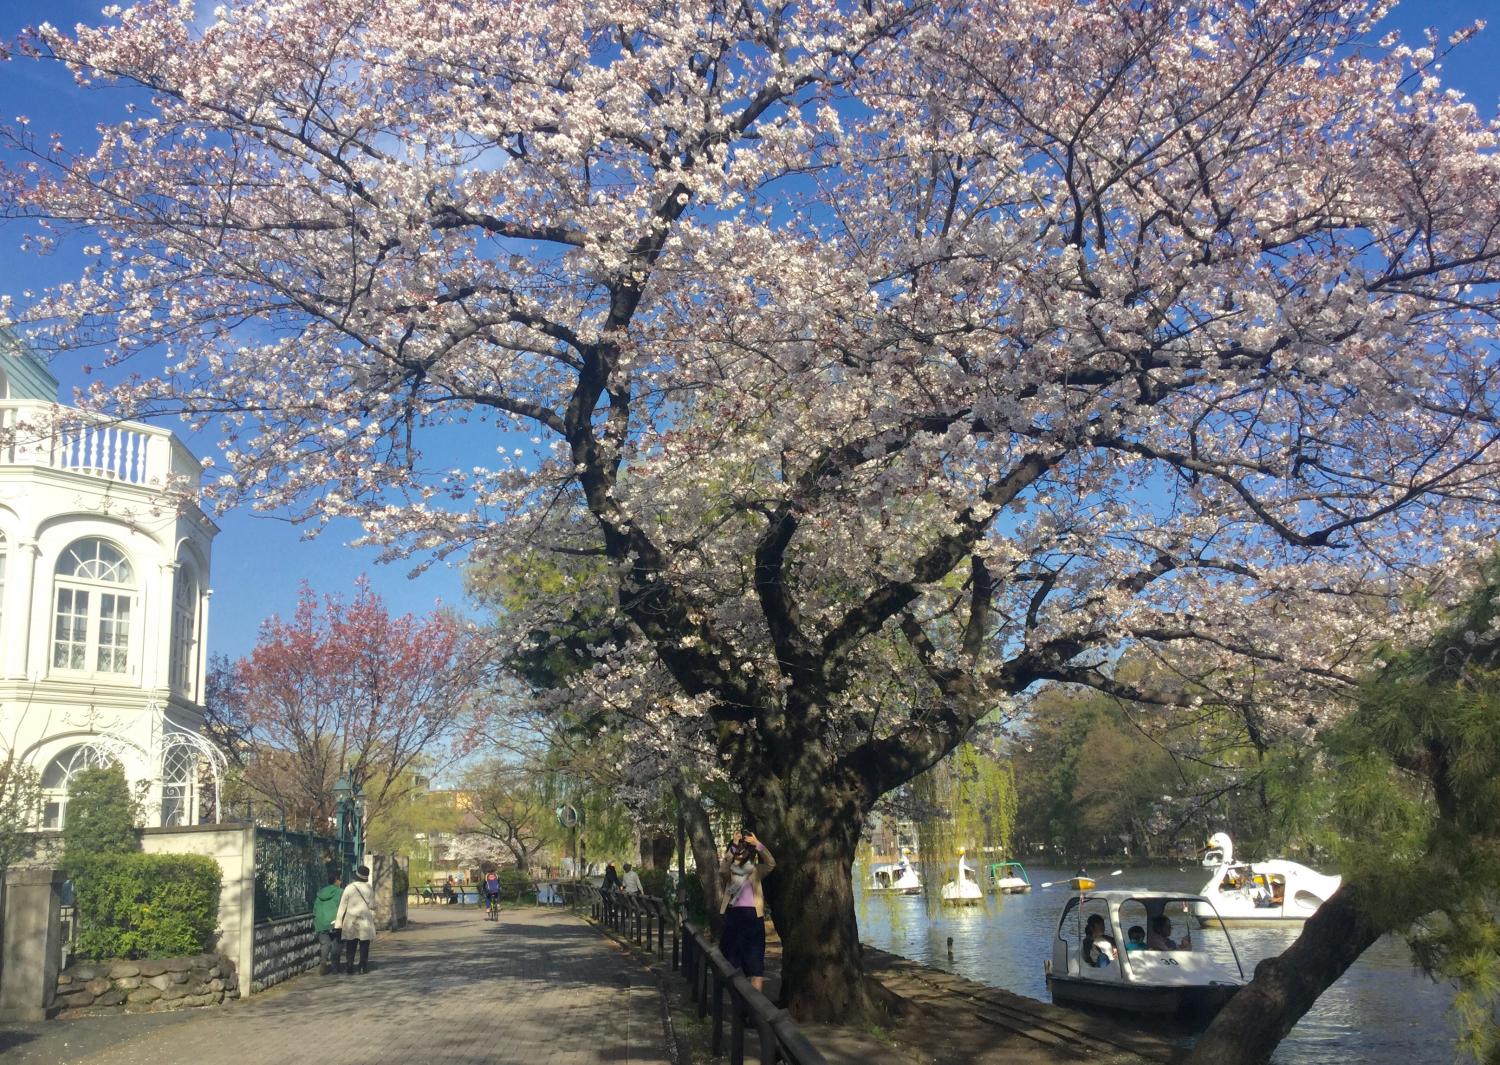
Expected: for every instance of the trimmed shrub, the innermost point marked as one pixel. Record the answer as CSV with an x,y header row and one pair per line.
x,y
146,905
692,899
514,883
655,882
101,816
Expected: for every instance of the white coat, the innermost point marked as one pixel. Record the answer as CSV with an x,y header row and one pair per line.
x,y
356,916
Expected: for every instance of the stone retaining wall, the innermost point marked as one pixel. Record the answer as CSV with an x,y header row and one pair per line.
x,y
282,950
90,988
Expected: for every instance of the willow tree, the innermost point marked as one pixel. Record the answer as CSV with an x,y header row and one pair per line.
x,y
914,347
966,802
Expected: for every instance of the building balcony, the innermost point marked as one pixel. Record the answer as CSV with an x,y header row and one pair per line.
x,y
49,436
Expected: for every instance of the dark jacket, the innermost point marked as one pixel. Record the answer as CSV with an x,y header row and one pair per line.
x,y
326,907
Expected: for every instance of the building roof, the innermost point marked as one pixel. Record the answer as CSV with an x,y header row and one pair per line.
x,y
25,372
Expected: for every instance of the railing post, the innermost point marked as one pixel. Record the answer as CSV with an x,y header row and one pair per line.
x,y
718,1040
736,1026
769,1051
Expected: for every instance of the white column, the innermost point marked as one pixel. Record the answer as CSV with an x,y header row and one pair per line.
x,y
200,687
156,630
21,619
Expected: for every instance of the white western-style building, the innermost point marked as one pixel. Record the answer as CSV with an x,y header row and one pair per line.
x,y
104,569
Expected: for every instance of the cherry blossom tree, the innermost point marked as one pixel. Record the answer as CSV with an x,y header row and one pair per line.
x,y
898,354
343,688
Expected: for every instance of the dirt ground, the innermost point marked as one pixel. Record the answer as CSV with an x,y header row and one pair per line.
x,y
943,1020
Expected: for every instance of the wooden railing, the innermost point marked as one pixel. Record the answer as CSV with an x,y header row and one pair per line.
x,y
712,980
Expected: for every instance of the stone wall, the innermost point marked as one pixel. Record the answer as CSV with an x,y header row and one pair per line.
x,y
282,950
90,988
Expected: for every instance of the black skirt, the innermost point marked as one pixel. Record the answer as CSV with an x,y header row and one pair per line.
x,y
743,941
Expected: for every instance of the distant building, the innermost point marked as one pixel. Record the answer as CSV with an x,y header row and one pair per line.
x,y
103,600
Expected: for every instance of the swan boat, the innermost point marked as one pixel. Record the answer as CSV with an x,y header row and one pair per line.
x,y
1252,893
965,889
1164,975
898,878
1008,878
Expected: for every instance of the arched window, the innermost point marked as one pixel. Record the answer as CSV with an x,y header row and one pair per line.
x,y
59,775
185,631
95,592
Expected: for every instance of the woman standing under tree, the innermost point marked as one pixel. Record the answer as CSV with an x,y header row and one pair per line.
x,y
356,919
743,941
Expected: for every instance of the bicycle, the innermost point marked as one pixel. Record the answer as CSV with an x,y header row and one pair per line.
x,y
492,908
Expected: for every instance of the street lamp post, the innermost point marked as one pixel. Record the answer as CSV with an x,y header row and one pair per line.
x,y
348,804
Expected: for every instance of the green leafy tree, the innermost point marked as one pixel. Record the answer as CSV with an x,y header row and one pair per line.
x,y
1409,784
511,805
1091,780
403,826
20,797
102,815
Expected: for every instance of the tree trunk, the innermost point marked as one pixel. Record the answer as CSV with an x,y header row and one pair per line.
x,y
657,846
700,836
811,899
1285,987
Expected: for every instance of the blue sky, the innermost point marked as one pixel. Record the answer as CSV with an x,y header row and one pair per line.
x,y
259,561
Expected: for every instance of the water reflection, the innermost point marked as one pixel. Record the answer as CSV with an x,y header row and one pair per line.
x,y
1381,1011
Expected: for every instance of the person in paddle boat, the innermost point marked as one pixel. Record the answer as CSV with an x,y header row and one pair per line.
x,y
1135,939
1160,936
1099,949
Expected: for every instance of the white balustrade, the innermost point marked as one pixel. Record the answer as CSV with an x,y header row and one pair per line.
x,y
39,434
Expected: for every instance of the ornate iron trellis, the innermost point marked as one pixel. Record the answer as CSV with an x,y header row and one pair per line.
x,y
184,758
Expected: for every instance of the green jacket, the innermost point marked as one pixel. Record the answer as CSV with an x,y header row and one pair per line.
x,y
326,907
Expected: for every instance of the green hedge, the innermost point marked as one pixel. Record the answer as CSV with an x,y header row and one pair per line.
x,y
146,905
656,882
692,899
513,883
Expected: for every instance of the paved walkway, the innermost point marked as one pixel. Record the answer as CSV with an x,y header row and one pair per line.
x,y
539,988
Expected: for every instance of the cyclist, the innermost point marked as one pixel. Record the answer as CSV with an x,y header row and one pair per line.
x,y
492,895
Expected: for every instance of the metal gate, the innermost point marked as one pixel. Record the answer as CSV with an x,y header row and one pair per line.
x,y
290,869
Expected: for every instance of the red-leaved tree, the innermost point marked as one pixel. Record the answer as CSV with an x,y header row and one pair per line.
x,y
344,687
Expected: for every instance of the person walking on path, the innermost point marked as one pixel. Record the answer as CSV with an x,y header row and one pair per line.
x,y
356,919
746,864
611,878
630,883
325,911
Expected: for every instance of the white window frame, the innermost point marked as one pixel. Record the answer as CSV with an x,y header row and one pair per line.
x,y
97,577
184,656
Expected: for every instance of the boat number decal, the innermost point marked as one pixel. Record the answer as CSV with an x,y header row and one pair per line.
x,y
1169,961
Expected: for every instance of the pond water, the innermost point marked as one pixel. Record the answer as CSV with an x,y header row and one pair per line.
x,y
1382,1011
